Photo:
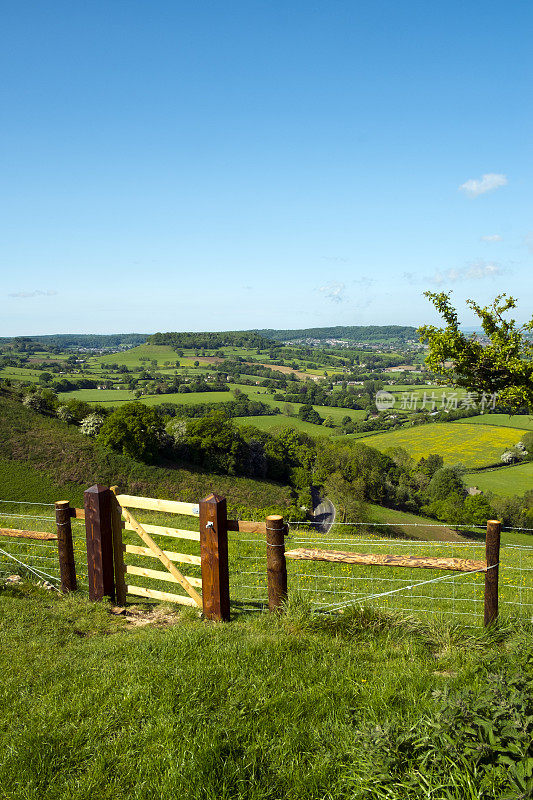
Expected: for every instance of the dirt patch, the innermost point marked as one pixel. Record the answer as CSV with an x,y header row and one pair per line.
x,y
162,616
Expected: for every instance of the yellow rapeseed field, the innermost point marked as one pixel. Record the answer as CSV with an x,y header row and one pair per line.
x,y
472,446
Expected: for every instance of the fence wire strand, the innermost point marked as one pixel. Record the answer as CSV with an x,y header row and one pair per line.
x,y
330,587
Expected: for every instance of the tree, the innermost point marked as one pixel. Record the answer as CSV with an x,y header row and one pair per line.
x,y
445,482
308,414
134,430
503,367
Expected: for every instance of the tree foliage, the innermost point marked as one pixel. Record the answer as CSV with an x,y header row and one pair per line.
x,y
134,430
503,366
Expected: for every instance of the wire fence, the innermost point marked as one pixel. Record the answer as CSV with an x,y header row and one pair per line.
x,y
331,587
37,560
326,586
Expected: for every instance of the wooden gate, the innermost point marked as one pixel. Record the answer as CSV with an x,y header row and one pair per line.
x,y
108,514
168,558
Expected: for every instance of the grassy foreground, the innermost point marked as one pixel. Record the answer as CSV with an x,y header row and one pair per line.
x,y
362,706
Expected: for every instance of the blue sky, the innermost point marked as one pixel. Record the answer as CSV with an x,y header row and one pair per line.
x,y
209,165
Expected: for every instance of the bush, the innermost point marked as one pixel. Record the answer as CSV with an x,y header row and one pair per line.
x,y
134,430
91,425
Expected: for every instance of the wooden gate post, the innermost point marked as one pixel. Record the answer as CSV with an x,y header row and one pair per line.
x,y
492,557
65,547
214,554
98,529
276,564
118,553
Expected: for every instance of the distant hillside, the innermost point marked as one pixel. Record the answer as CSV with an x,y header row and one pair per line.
x,y
353,333
89,340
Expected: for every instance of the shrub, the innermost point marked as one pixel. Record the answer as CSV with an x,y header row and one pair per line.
x,y
134,430
91,425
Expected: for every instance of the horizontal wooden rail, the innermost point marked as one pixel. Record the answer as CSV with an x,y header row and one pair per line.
x,y
140,591
37,535
160,575
77,513
153,504
243,526
374,560
183,558
176,533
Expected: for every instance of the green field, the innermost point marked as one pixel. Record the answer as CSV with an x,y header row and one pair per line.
x,y
279,421
522,421
507,481
471,446
130,358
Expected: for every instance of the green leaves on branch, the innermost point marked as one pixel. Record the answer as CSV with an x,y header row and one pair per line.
x,y
502,366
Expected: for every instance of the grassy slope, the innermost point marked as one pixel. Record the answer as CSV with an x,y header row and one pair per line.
x,y
472,446
154,352
522,421
63,453
410,525
507,481
271,707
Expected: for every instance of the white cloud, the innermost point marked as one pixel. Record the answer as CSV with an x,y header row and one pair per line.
x,y
495,237
35,293
478,270
334,291
487,183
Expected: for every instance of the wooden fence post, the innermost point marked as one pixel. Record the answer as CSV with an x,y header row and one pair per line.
x,y
65,547
118,553
98,529
214,554
492,557
276,564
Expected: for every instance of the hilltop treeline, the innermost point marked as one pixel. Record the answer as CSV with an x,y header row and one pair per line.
x,y
353,333
92,341
212,340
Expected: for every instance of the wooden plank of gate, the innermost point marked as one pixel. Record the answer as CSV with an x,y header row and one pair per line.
x,y
140,591
41,535
165,560
176,533
183,558
153,504
160,576
381,560
243,526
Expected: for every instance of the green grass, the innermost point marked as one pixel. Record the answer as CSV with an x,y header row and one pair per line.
x,y
409,525
132,357
19,374
279,422
522,421
506,481
290,707
471,446
104,396
19,481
